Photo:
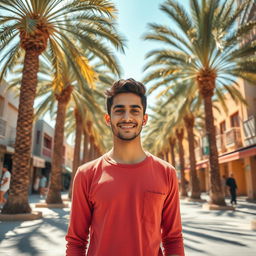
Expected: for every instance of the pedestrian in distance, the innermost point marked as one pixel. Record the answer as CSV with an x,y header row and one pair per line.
x,y
231,183
127,200
5,184
43,186
36,184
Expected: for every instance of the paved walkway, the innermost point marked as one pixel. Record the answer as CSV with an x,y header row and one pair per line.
x,y
208,233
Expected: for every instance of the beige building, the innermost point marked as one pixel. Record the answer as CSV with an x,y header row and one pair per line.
x,y
236,143
42,139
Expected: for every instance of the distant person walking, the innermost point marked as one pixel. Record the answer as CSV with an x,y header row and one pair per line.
x,y
42,186
231,183
5,184
36,184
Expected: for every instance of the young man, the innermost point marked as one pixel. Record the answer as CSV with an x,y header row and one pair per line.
x,y
5,184
127,200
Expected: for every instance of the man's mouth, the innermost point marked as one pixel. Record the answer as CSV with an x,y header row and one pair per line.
x,y
126,126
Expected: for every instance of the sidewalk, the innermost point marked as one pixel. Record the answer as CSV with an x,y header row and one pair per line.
x,y
219,233
206,233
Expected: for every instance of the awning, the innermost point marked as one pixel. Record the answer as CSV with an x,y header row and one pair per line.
x,y
38,162
6,149
9,149
231,156
202,164
238,154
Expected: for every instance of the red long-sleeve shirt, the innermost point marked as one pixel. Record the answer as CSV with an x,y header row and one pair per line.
x,y
128,209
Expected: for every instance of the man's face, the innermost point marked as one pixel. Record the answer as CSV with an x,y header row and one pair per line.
x,y
126,118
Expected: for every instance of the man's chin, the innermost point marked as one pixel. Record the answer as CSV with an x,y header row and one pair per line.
x,y
128,138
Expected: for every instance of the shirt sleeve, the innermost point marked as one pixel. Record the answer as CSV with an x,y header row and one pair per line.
x,y
80,216
171,220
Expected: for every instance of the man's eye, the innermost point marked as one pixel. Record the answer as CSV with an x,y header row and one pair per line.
x,y
135,110
119,111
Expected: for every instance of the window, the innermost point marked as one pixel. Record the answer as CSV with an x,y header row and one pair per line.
x,y
222,127
47,141
234,120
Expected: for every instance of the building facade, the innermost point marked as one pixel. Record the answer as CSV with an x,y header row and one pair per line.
x,y
8,121
236,143
42,140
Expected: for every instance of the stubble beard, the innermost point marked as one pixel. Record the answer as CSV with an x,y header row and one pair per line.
x,y
121,137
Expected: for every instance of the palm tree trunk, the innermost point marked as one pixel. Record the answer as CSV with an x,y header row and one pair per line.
x,y
54,194
172,144
194,181
91,150
76,161
216,193
166,156
180,135
18,194
206,84
86,151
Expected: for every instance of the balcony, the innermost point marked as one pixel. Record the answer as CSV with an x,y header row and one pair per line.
x,y
233,138
249,126
3,125
220,141
11,135
7,133
47,152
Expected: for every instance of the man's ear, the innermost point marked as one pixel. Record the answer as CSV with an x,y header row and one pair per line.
x,y
107,119
145,119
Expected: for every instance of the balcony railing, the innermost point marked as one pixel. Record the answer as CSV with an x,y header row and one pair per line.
x,y
233,137
220,141
11,135
3,125
250,131
47,152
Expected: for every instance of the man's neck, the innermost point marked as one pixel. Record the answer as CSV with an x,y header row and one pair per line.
x,y
127,152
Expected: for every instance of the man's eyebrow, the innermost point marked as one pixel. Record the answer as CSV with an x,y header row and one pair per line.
x,y
118,106
135,106
123,106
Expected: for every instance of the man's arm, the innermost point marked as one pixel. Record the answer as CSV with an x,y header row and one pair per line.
x,y
80,217
5,180
171,221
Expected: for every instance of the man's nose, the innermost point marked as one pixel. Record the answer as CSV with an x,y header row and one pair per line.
x,y
127,116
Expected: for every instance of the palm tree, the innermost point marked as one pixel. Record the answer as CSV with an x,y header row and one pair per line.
x,y
30,27
180,136
162,125
206,49
172,142
89,121
77,94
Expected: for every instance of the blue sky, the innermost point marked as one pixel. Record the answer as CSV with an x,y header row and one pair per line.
x,y
133,17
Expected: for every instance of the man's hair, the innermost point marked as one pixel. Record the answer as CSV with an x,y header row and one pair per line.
x,y
126,86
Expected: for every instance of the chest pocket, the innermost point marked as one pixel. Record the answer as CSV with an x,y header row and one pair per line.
x,y
152,208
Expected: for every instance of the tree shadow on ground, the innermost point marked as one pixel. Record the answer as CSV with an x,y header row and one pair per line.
x,y
23,234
